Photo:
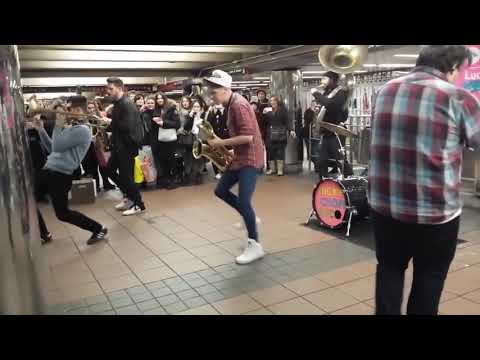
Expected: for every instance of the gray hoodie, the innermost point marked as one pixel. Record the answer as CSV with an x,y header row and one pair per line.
x,y
68,148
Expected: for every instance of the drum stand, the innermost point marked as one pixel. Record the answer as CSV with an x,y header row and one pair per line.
x,y
351,210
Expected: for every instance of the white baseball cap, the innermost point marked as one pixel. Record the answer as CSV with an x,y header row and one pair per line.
x,y
221,78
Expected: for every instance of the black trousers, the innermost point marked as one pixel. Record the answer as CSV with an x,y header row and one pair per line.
x,y
58,186
276,151
124,162
432,248
43,227
329,149
166,160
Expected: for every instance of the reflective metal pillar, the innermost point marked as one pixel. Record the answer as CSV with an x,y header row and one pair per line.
x,y
21,267
287,84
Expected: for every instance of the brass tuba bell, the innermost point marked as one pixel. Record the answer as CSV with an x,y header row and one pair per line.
x,y
343,59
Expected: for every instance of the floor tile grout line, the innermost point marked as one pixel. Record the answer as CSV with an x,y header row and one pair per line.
x,y
155,255
178,244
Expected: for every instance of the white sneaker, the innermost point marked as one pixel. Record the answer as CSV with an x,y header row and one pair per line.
x,y
124,205
218,176
241,225
134,209
253,251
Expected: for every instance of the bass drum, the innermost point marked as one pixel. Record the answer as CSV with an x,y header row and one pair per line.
x,y
333,200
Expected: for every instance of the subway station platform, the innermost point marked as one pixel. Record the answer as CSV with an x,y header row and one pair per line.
x,y
178,258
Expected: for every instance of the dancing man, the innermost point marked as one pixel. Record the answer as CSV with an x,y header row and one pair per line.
x,y
67,148
248,161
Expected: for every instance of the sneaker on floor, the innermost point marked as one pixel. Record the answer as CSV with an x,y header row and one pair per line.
x,y
102,235
241,225
134,210
253,251
124,205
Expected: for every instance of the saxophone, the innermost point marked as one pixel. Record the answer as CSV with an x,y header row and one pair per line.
x,y
221,156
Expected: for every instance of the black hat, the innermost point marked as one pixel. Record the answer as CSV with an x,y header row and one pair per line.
x,y
78,101
332,75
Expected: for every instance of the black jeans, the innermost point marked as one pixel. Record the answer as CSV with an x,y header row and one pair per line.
x,y
329,149
247,179
124,161
432,248
58,186
43,227
276,151
166,160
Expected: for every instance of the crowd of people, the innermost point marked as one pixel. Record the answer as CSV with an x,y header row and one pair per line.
x,y
420,127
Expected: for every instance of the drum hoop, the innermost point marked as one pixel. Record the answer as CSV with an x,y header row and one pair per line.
x,y
347,200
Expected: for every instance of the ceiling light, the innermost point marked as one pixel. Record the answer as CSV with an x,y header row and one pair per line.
x,y
360,71
406,55
396,65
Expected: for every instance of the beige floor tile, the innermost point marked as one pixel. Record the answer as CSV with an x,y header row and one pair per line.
x,y
118,283
338,276
177,257
71,278
218,259
297,306
156,274
463,281
81,291
237,305
364,268
203,310
473,296
186,267
146,264
370,303
207,250
306,285
468,256
260,312
331,300
358,309
110,270
362,289
459,306
273,295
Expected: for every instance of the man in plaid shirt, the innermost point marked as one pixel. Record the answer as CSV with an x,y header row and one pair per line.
x,y
420,127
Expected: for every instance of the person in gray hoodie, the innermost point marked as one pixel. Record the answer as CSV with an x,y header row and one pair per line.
x,y
67,148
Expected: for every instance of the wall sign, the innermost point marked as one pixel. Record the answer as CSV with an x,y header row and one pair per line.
x,y
469,77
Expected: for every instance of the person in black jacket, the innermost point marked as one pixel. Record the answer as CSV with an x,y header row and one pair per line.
x,y
124,149
334,99
308,118
165,118
278,127
194,167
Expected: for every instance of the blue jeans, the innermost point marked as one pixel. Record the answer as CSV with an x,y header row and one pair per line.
x,y
247,179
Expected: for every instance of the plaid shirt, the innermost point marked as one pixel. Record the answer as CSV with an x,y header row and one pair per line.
x,y
241,120
420,126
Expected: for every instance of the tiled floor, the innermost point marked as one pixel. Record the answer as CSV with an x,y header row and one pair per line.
x,y
178,258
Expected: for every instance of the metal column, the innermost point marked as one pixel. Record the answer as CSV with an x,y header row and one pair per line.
x,y
287,85
21,267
